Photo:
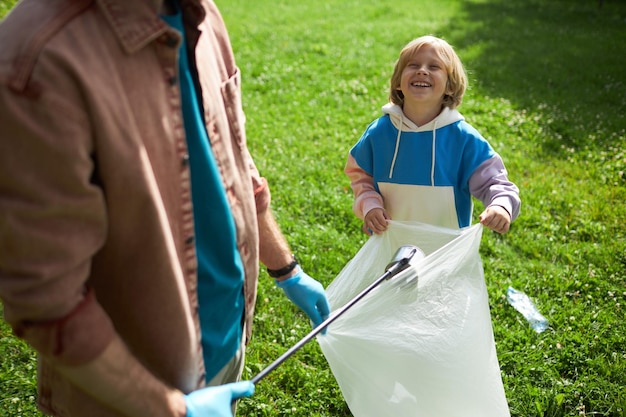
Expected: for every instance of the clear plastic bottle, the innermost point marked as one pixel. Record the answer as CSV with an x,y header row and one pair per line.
x,y
522,303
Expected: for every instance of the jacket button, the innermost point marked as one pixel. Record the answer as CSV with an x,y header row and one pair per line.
x,y
171,41
168,40
185,160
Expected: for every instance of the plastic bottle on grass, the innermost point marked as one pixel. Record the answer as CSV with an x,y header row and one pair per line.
x,y
525,306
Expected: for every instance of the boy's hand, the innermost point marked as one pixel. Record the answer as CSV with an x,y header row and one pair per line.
x,y
375,221
496,218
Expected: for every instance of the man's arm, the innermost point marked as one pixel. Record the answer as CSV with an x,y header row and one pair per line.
x,y
274,251
305,292
116,378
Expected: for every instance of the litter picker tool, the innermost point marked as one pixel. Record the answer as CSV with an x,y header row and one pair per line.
x,y
399,263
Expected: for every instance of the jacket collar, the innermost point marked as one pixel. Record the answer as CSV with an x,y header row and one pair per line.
x,y
136,23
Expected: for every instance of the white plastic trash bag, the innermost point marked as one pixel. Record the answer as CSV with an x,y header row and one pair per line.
x,y
420,344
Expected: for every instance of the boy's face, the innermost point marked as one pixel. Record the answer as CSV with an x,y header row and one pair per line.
x,y
424,80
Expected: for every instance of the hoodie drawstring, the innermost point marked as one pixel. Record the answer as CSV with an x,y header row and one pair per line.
x,y
432,168
395,153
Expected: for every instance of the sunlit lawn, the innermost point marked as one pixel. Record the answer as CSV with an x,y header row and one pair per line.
x,y
547,89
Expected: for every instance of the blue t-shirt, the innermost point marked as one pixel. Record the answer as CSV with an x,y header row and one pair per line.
x,y
220,268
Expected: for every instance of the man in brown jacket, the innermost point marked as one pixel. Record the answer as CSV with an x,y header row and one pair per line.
x,y
132,216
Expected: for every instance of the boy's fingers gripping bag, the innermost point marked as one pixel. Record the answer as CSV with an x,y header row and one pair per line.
x,y
420,344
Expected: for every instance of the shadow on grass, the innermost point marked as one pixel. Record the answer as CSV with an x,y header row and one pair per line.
x,y
560,59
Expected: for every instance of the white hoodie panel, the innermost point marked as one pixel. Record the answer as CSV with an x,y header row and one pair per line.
x,y
409,202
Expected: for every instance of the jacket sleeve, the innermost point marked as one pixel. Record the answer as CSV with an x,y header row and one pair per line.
x,y
366,197
490,184
262,196
52,223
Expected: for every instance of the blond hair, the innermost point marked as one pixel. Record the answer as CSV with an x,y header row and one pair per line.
x,y
457,78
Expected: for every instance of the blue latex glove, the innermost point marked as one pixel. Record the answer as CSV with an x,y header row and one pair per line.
x,y
217,401
308,294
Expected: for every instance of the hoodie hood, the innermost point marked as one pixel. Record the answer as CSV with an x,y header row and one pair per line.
x,y
404,124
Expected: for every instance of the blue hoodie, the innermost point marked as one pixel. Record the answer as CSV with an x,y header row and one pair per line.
x,y
427,173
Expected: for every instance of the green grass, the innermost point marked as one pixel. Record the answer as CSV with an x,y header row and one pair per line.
x,y
547,88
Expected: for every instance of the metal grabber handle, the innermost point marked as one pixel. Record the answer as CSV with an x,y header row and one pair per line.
x,y
399,263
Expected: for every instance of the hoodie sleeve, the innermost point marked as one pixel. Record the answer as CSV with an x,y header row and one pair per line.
x,y
366,197
490,184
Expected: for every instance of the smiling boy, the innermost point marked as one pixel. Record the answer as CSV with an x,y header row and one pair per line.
x,y
421,161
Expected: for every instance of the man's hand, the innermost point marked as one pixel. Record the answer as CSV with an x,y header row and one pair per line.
x,y
217,401
496,218
308,294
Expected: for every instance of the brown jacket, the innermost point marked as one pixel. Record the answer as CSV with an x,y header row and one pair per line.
x,y
96,225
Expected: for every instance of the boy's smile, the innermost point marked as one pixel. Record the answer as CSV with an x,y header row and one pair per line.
x,y
423,82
